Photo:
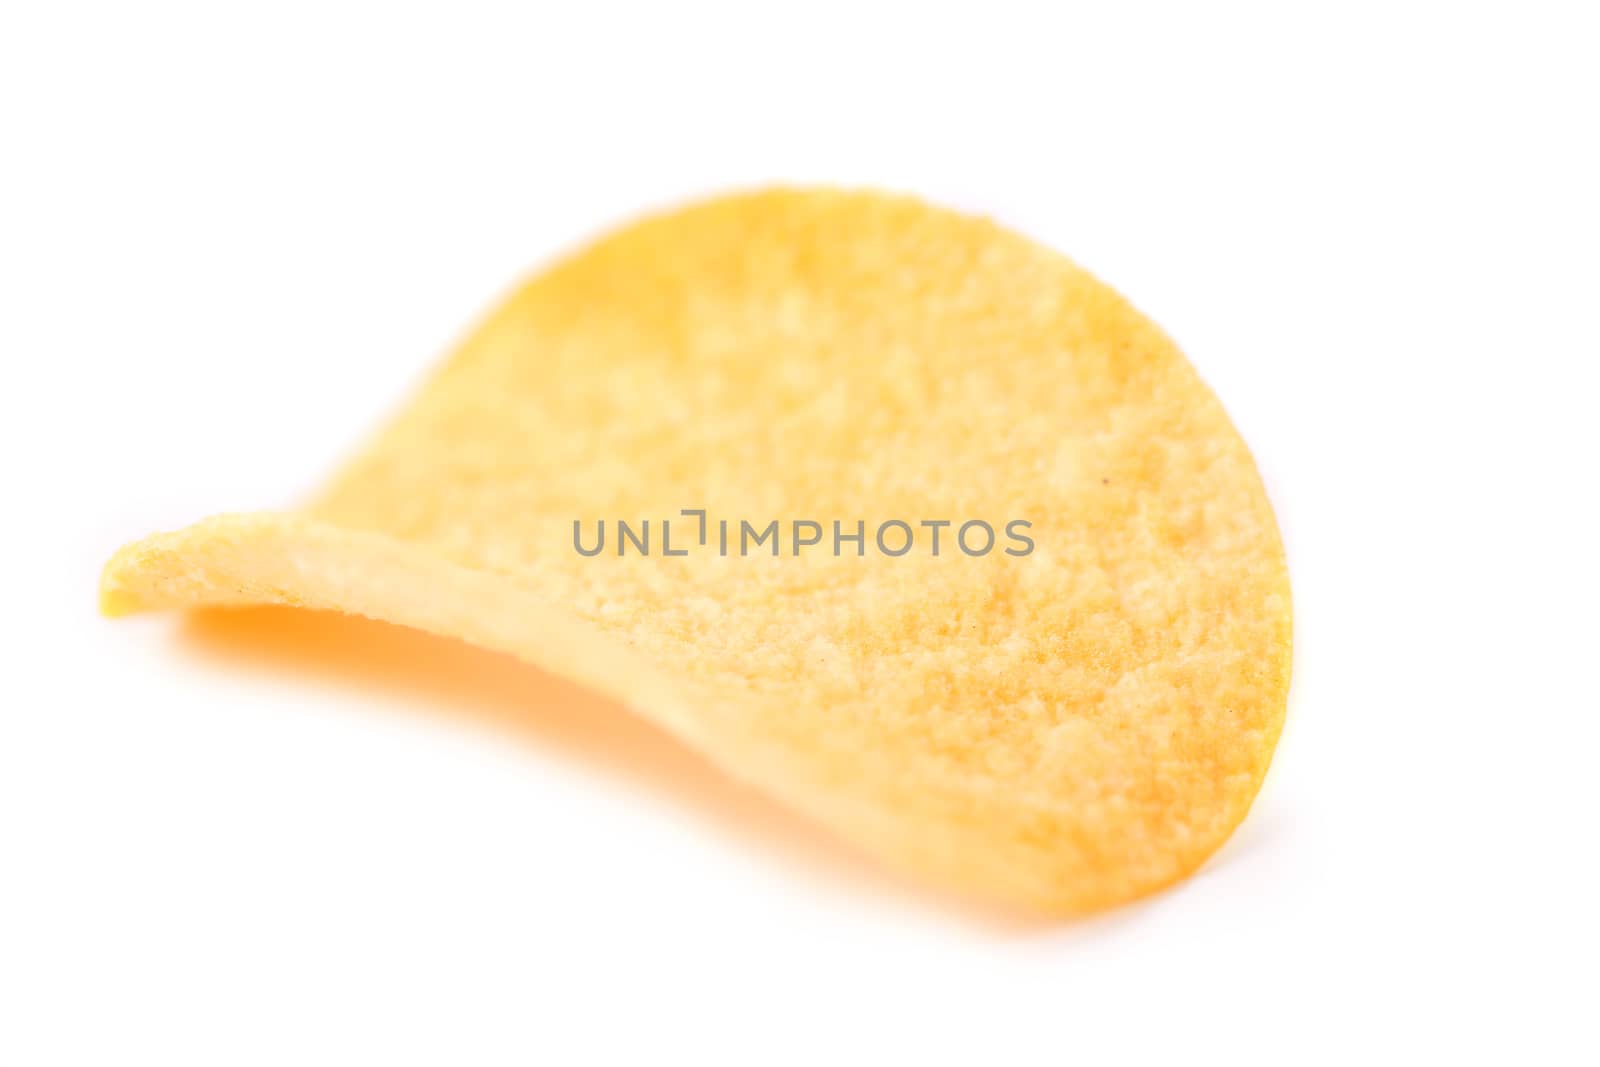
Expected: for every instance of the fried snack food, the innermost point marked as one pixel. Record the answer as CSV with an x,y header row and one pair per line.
x,y
1067,728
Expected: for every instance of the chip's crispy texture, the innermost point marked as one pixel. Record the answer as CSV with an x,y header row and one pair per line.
x,y
1068,729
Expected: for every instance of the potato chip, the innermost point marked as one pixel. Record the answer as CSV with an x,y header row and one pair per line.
x,y
1016,617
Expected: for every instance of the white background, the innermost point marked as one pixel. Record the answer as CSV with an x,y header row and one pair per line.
x,y
229,243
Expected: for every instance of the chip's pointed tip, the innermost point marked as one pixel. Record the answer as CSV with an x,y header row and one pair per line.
x,y
116,599
115,603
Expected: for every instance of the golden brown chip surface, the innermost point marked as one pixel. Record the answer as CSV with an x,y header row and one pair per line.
x,y
1068,728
